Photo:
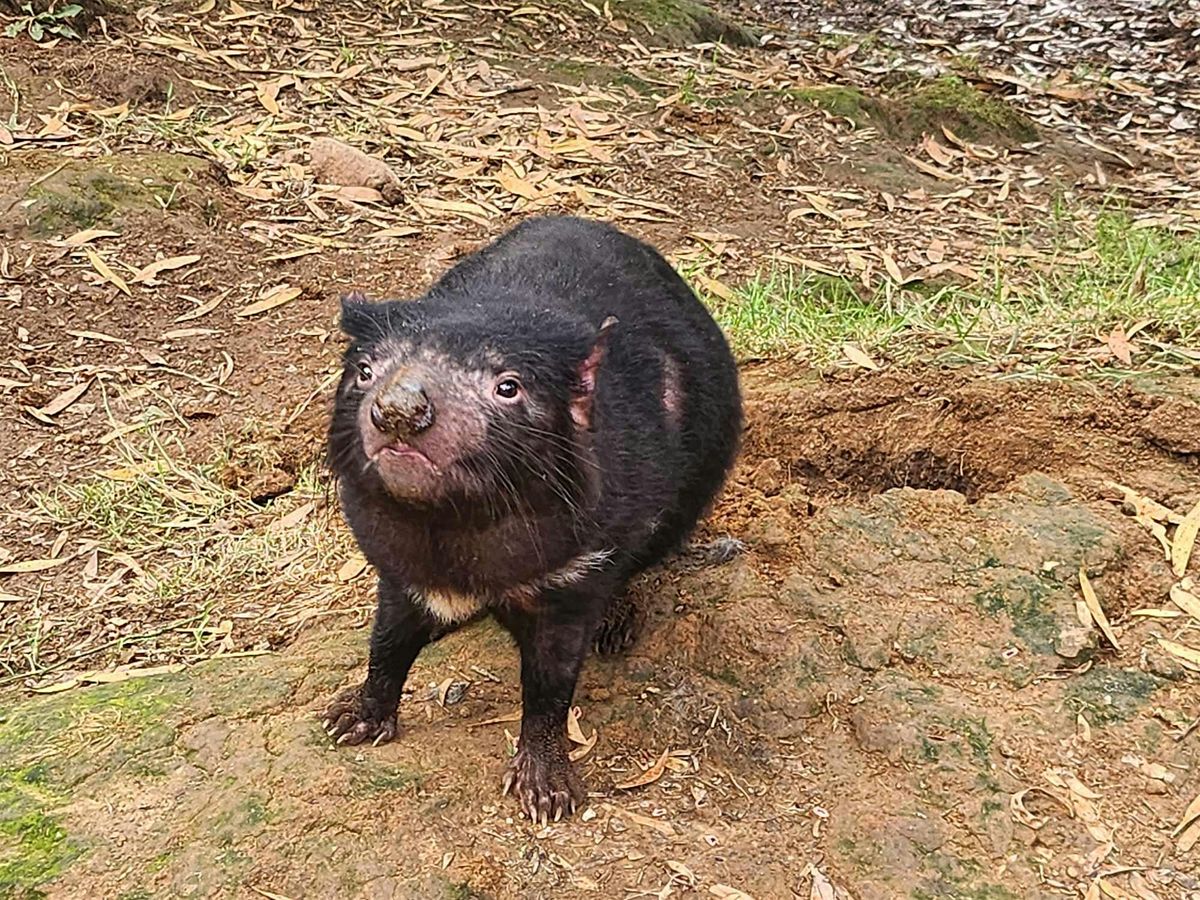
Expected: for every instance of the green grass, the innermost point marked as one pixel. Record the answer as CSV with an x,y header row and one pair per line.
x,y
1046,313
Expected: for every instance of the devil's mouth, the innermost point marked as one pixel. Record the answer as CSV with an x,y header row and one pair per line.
x,y
401,453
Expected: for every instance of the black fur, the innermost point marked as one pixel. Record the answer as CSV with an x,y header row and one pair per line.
x,y
542,489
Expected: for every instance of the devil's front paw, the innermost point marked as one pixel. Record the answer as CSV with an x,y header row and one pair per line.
x,y
544,783
354,716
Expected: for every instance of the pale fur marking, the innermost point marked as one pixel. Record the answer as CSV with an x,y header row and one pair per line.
x,y
450,606
576,569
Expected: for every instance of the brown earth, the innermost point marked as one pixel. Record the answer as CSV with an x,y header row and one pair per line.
x,y
892,689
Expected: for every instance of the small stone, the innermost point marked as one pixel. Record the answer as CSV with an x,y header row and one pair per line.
x,y
335,162
868,650
1075,642
769,534
588,814
1164,665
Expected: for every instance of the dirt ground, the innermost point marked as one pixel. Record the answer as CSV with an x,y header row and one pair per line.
x,y
897,691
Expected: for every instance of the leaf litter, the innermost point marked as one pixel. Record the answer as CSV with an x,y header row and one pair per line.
x,y
470,143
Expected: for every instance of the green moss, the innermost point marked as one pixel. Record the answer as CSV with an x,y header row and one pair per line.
x,y
1024,600
96,192
978,738
385,780
1107,695
34,847
684,22
965,109
844,102
958,879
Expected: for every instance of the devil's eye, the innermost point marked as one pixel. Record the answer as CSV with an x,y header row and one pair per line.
x,y
364,373
508,388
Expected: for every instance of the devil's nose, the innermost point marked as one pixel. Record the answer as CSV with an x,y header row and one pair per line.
x,y
402,409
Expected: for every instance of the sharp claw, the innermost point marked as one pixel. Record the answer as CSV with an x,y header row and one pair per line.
x,y
379,737
508,783
558,813
345,737
543,819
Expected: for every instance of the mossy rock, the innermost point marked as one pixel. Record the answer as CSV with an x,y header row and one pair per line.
x,y
844,102
96,193
965,109
682,22
34,847
923,107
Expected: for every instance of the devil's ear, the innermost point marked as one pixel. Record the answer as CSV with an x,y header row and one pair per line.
x,y
359,316
585,377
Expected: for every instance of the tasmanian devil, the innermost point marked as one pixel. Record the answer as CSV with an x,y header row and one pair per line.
x,y
552,417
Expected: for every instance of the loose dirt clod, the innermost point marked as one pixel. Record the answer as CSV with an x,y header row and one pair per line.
x,y
334,162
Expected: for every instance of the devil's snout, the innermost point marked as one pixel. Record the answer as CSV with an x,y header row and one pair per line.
x,y
402,409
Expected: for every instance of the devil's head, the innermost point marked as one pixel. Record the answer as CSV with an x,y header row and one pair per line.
x,y
450,403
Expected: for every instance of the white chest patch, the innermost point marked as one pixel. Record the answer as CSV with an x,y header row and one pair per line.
x,y
450,606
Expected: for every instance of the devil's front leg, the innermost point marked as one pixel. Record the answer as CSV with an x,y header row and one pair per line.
x,y
402,627
553,635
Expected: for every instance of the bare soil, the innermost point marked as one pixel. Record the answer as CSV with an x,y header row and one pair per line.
x,y
890,694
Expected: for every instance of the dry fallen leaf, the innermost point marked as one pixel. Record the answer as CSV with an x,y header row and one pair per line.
x,y
649,776
514,716
105,272
1119,344
96,336
1184,541
65,399
822,888
716,288
518,186
657,824
1093,605
1183,597
685,874
893,269
277,296
1141,888
859,358
352,568
728,893
164,265
202,310
268,93
79,238
292,519
1185,653
575,734
1188,829
31,565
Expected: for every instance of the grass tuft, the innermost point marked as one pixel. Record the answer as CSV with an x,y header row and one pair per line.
x,y
186,562
1043,311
